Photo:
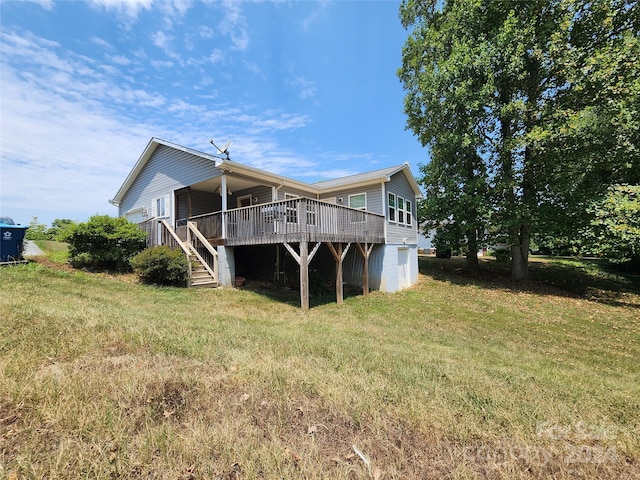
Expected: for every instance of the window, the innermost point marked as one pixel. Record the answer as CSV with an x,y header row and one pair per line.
x,y
392,207
407,218
400,210
160,206
358,201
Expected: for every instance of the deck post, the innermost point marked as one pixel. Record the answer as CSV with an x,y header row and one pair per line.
x,y
338,254
366,252
304,275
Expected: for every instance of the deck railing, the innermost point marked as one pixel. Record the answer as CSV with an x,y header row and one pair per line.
x,y
300,219
160,233
293,220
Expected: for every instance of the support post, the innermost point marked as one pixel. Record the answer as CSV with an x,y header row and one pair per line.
x,y
223,198
338,254
365,252
304,275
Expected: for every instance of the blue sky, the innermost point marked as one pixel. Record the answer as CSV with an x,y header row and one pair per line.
x,y
303,89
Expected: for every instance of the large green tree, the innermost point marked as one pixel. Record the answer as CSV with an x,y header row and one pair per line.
x,y
445,72
535,77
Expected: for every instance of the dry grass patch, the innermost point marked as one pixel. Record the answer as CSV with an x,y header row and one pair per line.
x,y
463,376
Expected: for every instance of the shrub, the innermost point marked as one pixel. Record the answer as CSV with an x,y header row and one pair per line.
x,y
104,243
36,230
502,255
161,266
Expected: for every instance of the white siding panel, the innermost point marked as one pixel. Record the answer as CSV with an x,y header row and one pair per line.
x,y
384,267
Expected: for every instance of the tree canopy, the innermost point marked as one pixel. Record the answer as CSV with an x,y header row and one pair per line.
x,y
530,111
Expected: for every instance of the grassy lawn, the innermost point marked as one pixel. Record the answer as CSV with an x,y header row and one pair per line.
x,y
56,252
462,376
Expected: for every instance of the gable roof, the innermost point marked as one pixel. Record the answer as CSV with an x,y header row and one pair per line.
x,y
144,158
376,176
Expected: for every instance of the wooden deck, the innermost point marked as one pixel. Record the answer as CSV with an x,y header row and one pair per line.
x,y
300,224
289,221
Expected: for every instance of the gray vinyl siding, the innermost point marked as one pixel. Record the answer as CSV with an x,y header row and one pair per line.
x,y
205,202
396,233
282,192
261,193
374,197
167,170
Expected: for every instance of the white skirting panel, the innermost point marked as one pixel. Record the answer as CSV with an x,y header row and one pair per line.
x,y
391,267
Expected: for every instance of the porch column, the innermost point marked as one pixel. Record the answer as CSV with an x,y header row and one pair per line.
x,y
223,197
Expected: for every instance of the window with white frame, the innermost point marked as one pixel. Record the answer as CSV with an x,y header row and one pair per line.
x,y
358,201
392,207
400,210
160,206
408,214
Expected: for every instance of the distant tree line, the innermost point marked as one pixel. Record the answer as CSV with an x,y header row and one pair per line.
x,y
58,231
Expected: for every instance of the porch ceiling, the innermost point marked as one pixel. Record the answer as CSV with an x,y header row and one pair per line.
x,y
234,184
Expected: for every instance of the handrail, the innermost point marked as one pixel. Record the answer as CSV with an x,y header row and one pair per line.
x,y
213,272
175,236
194,229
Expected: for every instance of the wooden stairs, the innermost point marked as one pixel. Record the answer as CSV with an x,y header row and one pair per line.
x,y
199,276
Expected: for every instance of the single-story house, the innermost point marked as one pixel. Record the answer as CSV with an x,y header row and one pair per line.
x,y
233,220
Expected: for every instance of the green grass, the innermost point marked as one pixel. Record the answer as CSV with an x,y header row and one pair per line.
x,y
57,252
464,376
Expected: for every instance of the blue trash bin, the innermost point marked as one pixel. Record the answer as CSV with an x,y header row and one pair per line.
x,y
11,240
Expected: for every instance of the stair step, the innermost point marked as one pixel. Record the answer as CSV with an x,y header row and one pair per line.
x,y
201,284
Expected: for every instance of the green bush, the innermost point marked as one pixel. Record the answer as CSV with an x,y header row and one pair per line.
x,y
36,230
104,243
161,266
502,255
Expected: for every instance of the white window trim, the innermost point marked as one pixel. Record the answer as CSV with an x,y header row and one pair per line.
x,y
394,207
408,212
167,207
244,197
358,195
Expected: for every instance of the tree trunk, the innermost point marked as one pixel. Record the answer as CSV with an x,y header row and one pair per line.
x,y
472,249
520,255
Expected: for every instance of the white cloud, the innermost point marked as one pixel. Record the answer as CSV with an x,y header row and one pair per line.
x,y
234,25
101,43
161,40
306,88
217,55
205,31
72,127
46,4
125,8
316,16
120,60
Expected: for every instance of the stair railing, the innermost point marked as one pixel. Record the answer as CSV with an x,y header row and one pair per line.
x,y
170,238
200,247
